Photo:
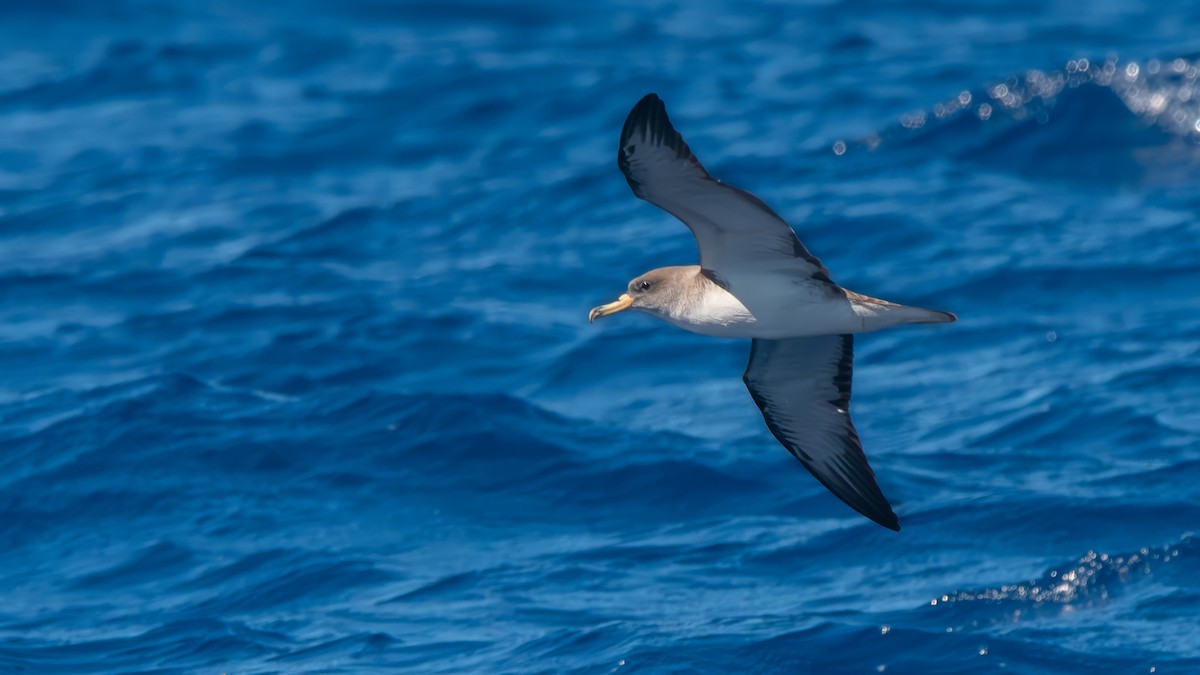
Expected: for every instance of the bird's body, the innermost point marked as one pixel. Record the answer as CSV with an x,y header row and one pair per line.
x,y
756,280
799,309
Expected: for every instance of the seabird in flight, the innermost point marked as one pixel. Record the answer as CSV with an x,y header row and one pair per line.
x,y
756,280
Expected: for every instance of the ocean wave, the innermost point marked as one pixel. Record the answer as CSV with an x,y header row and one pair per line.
x,y
1138,117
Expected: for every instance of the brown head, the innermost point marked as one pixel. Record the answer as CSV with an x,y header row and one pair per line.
x,y
655,292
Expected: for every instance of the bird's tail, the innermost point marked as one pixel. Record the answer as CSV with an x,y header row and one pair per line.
x,y
876,313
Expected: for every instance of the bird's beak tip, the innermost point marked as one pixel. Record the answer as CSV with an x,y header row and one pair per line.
x,y
622,303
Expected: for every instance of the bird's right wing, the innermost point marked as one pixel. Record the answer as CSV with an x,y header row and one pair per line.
x,y
802,386
737,233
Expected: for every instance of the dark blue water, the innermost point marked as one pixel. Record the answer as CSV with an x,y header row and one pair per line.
x,y
298,376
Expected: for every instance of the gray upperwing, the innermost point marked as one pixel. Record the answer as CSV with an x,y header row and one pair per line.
x,y
735,230
802,386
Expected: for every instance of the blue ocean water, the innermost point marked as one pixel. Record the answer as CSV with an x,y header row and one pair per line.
x,y
298,376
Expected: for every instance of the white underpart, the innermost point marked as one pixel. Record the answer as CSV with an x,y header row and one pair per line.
x,y
776,307
717,313
780,310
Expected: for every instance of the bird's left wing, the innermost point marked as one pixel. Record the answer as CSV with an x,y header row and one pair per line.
x,y
737,233
802,386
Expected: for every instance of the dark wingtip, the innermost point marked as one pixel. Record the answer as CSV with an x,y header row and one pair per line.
x,y
877,509
647,102
648,123
646,118
649,113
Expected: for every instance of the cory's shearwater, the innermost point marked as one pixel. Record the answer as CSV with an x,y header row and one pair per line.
x,y
756,280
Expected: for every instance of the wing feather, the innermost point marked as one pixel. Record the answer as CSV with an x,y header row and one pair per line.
x,y
736,232
802,386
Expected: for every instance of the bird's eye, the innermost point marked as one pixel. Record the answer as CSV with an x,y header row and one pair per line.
x,y
645,285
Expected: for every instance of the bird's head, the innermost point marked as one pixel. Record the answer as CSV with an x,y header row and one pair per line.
x,y
653,292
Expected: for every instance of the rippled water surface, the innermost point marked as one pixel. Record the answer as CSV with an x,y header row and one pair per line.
x,y
298,376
